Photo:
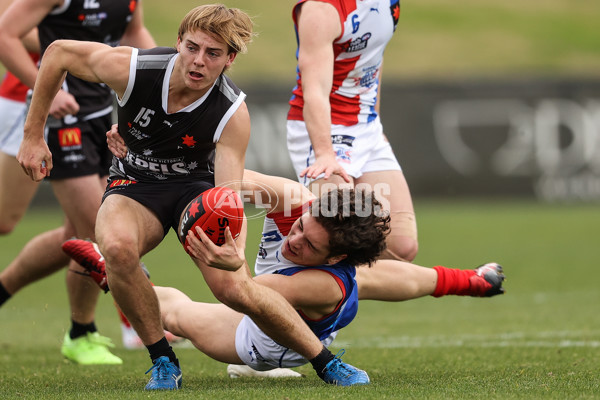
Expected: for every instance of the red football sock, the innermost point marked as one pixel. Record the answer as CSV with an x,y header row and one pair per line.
x,y
453,281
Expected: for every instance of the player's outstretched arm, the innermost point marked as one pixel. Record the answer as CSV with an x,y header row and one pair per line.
x,y
90,61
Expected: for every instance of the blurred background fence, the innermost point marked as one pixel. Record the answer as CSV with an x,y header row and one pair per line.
x,y
471,138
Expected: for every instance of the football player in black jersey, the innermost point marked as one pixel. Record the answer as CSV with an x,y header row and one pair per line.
x,y
187,127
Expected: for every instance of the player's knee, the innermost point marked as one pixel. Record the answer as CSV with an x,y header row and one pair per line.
x,y
401,248
6,229
170,314
120,255
233,294
7,225
402,242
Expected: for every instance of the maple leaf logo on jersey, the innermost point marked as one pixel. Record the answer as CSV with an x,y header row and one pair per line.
x,y
189,141
395,10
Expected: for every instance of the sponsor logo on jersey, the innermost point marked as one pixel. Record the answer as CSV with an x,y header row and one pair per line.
x,y
343,139
121,183
271,236
343,155
73,158
136,133
69,138
94,19
369,77
262,252
357,44
258,356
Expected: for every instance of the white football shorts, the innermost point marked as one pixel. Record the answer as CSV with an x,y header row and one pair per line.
x,y
12,121
359,148
261,353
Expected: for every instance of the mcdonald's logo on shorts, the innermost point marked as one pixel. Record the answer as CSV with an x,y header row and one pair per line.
x,y
69,138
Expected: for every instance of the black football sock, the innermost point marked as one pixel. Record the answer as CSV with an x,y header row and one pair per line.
x,y
162,348
4,295
320,361
78,329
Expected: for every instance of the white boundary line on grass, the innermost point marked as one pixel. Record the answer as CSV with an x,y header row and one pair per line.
x,y
554,339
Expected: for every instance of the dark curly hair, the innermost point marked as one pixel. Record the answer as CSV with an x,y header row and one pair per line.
x,y
356,222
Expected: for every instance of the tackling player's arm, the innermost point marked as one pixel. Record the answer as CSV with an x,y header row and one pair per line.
x,y
90,61
231,148
315,292
276,192
230,157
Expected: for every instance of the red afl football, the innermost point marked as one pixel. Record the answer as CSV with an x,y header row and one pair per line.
x,y
213,210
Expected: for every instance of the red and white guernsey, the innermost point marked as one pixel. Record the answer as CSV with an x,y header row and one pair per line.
x,y
367,26
12,88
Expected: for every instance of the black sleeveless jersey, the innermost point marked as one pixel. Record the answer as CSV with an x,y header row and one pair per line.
x,y
101,21
176,146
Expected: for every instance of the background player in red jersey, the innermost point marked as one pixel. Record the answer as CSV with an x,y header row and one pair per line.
x,y
16,191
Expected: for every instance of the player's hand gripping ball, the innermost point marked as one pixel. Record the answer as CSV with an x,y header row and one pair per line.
x,y
213,210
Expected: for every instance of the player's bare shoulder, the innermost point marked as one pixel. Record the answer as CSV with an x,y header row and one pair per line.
x,y
112,66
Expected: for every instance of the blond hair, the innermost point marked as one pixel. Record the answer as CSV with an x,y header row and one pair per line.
x,y
232,25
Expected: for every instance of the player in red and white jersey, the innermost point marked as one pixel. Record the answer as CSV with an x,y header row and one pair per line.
x,y
16,190
334,133
366,28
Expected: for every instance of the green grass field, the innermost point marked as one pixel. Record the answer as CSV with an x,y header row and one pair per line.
x,y
540,340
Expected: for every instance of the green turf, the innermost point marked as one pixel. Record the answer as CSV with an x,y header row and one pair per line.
x,y
540,340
